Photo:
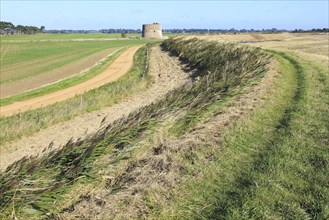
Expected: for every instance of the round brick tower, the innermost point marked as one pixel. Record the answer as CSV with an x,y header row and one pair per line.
x,y
152,30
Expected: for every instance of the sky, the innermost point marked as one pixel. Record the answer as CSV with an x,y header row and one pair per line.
x,y
95,15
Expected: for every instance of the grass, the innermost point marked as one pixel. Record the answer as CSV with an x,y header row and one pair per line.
x,y
272,165
27,123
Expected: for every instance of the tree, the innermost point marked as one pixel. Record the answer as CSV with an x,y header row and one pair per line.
x,y
4,25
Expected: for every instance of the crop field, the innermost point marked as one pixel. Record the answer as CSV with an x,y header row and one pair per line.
x,y
64,36
29,65
52,37
201,127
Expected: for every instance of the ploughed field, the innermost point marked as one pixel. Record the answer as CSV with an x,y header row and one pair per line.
x,y
243,134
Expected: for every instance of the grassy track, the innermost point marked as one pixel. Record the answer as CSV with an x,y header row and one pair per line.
x,y
272,165
29,122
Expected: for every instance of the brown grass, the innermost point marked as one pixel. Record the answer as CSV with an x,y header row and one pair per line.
x,y
234,38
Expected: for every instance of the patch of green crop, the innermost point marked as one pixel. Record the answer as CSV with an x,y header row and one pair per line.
x,y
27,59
62,84
65,36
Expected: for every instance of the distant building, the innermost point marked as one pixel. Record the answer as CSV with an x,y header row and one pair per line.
x,y
8,31
152,30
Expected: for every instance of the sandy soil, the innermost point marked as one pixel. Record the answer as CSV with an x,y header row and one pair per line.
x,y
167,74
118,68
53,76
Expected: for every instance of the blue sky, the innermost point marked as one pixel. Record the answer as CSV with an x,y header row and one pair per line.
x,y
171,14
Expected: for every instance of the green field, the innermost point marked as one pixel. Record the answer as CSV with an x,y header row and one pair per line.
x,y
64,36
28,65
22,60
65,83
69,36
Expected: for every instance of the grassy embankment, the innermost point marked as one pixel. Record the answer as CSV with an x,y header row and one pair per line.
x,y
271,164
27,123
224,72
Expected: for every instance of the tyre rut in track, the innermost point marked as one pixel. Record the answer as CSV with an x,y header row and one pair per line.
x,y
271,149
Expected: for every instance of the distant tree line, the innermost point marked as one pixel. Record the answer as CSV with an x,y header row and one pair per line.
x,y
213,31
235,31
120,31
221,31
9,28
312,30
71,31
105,31
191,30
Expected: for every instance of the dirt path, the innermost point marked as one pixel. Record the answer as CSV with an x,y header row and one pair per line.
x,y
167,75
118,68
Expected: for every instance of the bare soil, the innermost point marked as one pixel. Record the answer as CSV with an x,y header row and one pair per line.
x,y
167,75
118,68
